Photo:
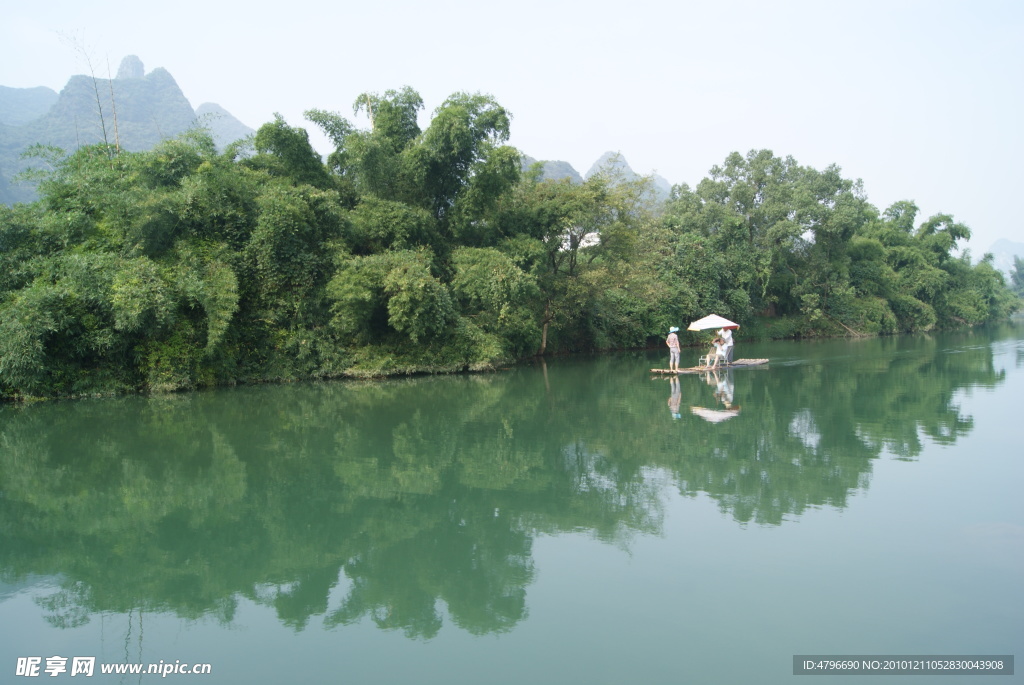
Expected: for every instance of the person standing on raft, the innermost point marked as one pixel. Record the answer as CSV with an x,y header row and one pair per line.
x,y
673,349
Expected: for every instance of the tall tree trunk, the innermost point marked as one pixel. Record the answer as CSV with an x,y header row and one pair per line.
x,y
544,328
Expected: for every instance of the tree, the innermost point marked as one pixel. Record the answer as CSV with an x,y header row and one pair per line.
x,y
456,169
371,160
746,211
830,210
576,240
763,233
285,151
1017,276
497,296
380,297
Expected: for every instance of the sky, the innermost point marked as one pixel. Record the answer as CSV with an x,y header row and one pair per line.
x,y
921,100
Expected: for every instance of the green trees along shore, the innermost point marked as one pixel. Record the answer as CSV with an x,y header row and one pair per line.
x,y
431,251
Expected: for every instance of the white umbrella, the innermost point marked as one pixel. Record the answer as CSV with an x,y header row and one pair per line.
x,y
711,321
714,415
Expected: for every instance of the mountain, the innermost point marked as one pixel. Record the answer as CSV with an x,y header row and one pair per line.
x,y
553,171
615,164
1004,251
134,110
224,127
21,105
612,163
136,113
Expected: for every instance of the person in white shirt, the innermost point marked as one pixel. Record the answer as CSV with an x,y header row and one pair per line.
x,y
726,335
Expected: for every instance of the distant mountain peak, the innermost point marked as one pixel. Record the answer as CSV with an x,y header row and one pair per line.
x,y
611,162
1004,251
131,67
614,164
224,126
553,170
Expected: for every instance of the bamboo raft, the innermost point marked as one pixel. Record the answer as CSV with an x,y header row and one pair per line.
x,y
703,369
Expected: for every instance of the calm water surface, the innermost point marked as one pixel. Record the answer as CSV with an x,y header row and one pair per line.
x,y
574,522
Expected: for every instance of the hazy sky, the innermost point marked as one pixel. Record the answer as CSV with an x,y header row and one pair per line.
x,y
921,100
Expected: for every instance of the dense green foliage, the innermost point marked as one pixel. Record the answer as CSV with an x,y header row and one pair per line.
x,y
428,250
763,235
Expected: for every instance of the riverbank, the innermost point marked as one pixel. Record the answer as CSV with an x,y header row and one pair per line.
x,y
379,362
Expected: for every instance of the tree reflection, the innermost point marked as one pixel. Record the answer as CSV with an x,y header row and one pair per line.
x,y
402,501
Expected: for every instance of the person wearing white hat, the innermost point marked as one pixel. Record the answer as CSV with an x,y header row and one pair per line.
x,y
673,349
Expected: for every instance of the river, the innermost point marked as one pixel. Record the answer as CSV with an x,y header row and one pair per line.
x,y
580,520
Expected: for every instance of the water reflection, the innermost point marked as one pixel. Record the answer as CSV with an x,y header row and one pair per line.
x,y
422,494
724,388
675,398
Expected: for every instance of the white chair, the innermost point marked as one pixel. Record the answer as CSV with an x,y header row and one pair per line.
x,y
709,359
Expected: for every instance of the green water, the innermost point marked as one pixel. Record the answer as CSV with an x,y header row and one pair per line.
x,y
570,522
